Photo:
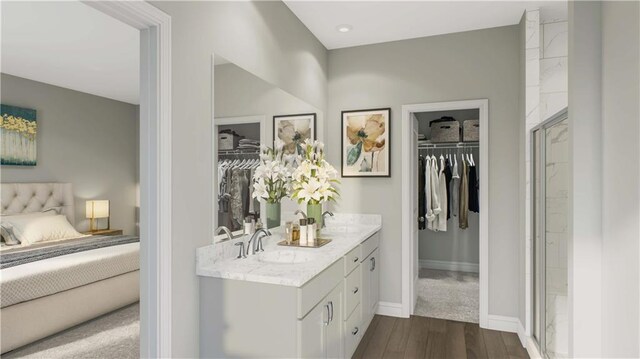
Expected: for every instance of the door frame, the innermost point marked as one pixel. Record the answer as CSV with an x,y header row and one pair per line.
x,y
408,223
155,169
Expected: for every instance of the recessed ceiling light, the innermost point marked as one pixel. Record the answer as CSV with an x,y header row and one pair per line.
x,y
344,28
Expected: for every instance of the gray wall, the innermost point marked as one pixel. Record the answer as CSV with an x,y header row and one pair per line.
x,y
621,179
522,269
468,65
84,139
264,38
585,199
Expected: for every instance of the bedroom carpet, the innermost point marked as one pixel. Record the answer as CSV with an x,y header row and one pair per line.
x,y
113,335
448,295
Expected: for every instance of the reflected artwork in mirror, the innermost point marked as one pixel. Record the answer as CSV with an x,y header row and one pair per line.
x,y
293,130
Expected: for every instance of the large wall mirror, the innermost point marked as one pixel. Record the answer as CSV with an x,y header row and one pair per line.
x,y
248,111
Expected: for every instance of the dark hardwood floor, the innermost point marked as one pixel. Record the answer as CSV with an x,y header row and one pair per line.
x,y
420,337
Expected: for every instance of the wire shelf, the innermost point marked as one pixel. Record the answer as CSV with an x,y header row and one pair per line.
x,y
459,145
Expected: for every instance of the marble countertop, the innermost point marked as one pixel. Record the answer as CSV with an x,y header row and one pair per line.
x,y
261,266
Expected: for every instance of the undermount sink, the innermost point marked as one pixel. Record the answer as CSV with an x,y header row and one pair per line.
x,y
286,257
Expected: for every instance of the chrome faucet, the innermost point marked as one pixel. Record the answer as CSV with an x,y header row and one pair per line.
x,y
324,221
225,230
256,239
299,211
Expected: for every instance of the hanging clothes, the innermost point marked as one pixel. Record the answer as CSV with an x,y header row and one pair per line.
x,y
441,220
235,202
434,188
474,203
455,189
463,219
448,176
422,224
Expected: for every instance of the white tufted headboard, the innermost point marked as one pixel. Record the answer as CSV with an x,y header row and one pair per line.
x,y
35,197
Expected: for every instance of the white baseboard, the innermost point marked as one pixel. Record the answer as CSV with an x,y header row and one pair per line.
x,y
446,265
522,334
390,309
502,323
532,349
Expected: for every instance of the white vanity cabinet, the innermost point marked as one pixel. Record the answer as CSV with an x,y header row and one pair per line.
x,y
370,279
323,318
321,330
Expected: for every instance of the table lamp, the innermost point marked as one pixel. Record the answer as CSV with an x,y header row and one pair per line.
x,y
97,209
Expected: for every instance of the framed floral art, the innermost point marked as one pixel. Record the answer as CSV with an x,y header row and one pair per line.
x,y
365,143
293,130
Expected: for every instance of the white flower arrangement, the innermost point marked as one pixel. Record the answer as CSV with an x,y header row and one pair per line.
x,y
271,180
312,181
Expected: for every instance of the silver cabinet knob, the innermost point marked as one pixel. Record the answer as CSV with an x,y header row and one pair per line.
x,y
355,290
355,331
356,259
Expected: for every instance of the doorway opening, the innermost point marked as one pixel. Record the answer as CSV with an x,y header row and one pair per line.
x,y
445,210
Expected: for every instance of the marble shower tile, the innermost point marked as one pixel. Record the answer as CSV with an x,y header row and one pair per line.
x,y
532,67
549,14
552,103
556,215
532,98
557,146
555,39
557,182
532,30
553,75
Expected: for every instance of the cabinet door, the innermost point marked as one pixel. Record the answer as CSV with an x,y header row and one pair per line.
x,y
374,269
335,328
312,331
365,299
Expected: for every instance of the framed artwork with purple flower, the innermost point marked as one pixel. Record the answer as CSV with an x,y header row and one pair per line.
x,y
293,130
365,143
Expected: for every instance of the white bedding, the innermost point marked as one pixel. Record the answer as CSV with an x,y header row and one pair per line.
x,y
49,276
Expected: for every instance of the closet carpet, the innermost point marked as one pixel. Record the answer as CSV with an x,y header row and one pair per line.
x,y
113,335
448,295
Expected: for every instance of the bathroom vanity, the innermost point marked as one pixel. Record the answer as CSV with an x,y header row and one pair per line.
x,y
291,302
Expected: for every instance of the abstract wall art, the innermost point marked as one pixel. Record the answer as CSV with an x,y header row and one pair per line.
x,y
18,134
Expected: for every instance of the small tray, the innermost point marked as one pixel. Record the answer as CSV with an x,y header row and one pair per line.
x,y
319,243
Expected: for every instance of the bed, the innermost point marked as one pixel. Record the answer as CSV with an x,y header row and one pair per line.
x,y
51,286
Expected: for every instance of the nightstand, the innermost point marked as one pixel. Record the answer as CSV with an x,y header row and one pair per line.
x,y
105,232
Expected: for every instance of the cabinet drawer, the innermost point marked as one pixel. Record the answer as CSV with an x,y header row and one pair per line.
x,y
352,290
318,287
352,260
353,331
369,245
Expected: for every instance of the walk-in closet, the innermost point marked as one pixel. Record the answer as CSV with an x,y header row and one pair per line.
x,y
448,157
238,155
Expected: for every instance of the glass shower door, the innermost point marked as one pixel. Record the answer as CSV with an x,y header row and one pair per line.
x,y
549,233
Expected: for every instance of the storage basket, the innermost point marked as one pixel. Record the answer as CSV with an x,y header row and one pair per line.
x,y
227,141
446,129
471,130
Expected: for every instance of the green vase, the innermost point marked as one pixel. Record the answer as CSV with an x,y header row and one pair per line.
x,y
315,211
273,215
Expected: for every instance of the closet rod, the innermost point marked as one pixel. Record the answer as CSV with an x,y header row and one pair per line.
x,y
449,145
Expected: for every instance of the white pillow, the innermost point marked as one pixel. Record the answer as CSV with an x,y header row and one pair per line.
x,y
6,228
36,229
